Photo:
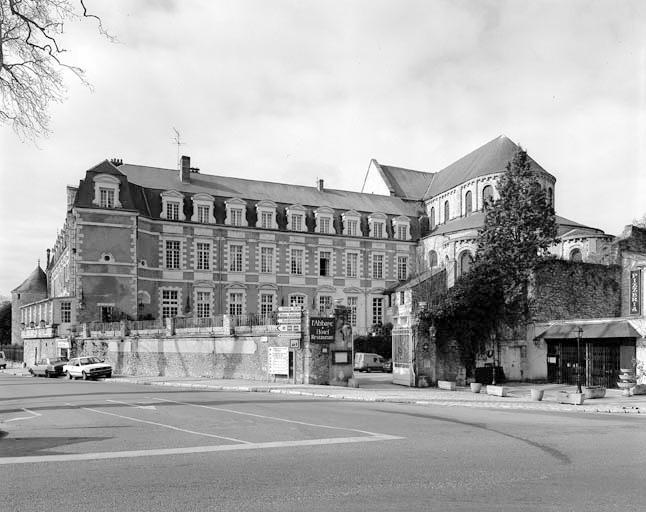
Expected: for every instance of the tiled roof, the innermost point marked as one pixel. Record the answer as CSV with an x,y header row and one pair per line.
x,y
255,190
35,283
476,221
405,183
490,158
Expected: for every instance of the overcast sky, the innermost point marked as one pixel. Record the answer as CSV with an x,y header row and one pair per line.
x,y
294,90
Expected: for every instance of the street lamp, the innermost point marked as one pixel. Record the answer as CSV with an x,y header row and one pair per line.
x,y
579,331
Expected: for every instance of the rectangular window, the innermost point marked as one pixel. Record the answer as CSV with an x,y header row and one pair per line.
x,y
107,313
325,263
377,266
203,214
297,300
266,220
402,267
235,258
402,298
172,210
352,305
236,216
296,264
324,225
297,222
353,227
106,197
402,232
377,309
66,312
203,256
377,229
235,303
267,260
170,303
266,303
351,265
203,304
172,254
325,304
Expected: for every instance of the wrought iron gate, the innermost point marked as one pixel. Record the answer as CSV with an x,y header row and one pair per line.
x,y
599,362
403,356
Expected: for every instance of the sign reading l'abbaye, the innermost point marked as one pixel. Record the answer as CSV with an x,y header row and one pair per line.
x,y
321,329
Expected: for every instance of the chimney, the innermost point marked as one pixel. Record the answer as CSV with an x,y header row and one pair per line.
x,y
185,171
319,185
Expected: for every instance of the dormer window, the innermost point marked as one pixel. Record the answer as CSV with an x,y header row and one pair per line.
x,y
266,213
296,218
377,224
324,220
172,205
203,209
401,227
351,223
106,191
236,209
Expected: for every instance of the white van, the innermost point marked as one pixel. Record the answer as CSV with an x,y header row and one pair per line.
x,y
367,361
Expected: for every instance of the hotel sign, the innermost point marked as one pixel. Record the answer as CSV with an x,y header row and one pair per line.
x,y
635,292
322,330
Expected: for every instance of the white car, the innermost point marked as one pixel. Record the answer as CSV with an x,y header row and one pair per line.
x,y
3,360
87,367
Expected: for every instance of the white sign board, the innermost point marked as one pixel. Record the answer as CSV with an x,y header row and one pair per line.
x,y
278,360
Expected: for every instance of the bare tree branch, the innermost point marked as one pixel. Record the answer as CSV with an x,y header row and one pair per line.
x,y
32,68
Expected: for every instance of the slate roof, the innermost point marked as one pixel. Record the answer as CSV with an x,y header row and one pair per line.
x,y
487,159
476,221
35,283
153,178
405,183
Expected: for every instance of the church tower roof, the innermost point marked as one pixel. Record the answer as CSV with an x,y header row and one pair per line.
x,y
35,283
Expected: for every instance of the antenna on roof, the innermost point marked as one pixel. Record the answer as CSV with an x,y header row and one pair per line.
x,y
177,140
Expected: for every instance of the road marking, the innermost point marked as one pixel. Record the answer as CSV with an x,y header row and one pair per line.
x,y
72,457
205,434
269,417
34,415
151,407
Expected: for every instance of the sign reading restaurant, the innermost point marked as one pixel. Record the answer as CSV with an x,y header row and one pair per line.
x,y
635,292
321,329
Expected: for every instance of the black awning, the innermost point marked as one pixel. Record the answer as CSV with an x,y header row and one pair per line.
x,y
591,330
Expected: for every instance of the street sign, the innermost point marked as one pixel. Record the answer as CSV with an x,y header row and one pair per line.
x,y
282,320
278,360
289,328
322,329
294,343
282,309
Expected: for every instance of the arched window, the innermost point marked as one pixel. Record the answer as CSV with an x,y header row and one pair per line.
x,y
468,203
465,262
575,255
431,218
432,259
550,196
487,195
446,211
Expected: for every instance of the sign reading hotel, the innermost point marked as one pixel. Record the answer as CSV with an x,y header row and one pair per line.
x,y
635,292
321,329
278,360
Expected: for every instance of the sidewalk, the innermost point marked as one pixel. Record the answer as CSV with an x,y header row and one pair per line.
x,y
518,394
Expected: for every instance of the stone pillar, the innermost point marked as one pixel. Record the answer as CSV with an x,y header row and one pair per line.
x,y
227,324
341,373
170,326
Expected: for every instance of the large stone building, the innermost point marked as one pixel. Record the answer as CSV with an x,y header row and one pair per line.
x,y
147,243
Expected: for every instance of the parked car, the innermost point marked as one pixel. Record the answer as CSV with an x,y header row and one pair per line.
x,y
367,361
88,367
3,360
388,365
48,367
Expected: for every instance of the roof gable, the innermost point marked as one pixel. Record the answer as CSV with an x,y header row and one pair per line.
x,y
405,183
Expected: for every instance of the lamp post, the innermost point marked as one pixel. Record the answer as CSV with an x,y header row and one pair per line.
x,y
579,331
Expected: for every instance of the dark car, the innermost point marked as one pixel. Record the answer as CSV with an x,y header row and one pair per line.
x,y
48,367
388,365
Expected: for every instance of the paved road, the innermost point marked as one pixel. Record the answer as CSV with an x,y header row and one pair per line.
x,y
99,446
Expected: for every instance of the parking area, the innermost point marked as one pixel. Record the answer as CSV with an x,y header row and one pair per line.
x,y
59,420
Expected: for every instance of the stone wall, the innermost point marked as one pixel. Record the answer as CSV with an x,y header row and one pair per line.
x,y
563,290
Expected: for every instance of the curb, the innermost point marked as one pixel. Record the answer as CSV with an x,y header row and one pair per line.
x,y
527,406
